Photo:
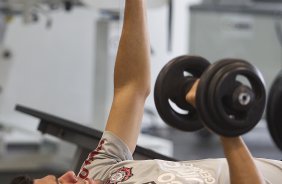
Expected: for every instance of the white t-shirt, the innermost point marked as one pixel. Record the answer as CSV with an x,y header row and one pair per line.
x,y
112,163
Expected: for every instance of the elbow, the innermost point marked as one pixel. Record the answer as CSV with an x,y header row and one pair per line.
x,y
147,91
137,90
145,86
143,90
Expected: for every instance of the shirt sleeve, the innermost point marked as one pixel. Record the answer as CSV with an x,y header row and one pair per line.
x,y
110,150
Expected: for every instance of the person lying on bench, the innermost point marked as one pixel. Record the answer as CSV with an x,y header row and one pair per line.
x,y
112,162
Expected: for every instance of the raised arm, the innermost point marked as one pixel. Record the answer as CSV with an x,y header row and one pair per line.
x,y
242,168
132,75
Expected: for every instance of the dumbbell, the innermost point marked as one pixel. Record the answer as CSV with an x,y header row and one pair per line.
x,y
273,111
227,97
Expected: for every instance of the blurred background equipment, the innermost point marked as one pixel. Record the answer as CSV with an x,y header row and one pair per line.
x,y
246,29
114,5
85,138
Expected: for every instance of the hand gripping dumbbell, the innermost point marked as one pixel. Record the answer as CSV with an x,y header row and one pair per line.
x,y
227,97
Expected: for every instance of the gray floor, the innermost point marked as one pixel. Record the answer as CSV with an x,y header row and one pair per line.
x,y
200,145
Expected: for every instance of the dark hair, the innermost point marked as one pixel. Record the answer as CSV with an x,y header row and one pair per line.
x,y
22,180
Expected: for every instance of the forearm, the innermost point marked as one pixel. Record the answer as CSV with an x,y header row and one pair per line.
x,y
133,58
241,164
242,168
132,75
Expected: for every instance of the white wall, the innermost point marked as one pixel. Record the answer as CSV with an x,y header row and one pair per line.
x,y
52,69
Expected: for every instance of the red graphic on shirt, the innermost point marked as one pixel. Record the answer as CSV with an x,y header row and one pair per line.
x,y
121,175
84,172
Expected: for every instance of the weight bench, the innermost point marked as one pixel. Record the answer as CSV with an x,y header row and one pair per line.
x,y
86,139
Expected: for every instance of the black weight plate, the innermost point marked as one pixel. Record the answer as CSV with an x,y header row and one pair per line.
x,y
172,86
273,111
202,93
242,120
220,80
245,119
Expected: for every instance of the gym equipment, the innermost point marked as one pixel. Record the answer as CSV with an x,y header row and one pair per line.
x,y
273,111
86,139
229,97
114,5
246,28
172,86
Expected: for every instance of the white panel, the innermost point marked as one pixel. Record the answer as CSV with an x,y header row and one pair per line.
x,y
249,36
52,68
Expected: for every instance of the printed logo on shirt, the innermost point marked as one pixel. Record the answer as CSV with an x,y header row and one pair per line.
x,y
121,175
84,172
177,172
